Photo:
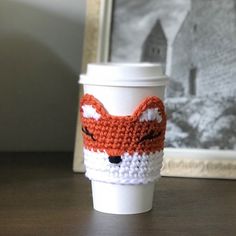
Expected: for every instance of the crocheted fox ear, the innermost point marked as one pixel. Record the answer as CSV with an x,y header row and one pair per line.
x,y
150,109
90,107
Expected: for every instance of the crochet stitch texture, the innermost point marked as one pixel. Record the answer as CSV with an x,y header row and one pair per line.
x,y
123,149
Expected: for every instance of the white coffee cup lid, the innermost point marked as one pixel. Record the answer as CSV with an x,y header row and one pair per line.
x,y
124,74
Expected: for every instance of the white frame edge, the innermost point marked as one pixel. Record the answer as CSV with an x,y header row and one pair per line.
x,y
199,163
105,30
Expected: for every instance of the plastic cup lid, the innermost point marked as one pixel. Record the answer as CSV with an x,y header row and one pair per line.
x,y
124,74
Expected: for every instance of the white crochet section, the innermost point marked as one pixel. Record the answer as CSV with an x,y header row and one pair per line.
x,y
134,169
90,112
151,114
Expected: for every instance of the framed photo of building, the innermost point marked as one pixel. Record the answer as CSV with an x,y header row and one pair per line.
x,y
195,40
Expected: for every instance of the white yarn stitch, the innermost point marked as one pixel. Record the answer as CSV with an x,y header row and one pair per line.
x,y
133,169
90,112
151,114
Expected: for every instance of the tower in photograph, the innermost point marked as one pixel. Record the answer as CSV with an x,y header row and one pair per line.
x,y
155,46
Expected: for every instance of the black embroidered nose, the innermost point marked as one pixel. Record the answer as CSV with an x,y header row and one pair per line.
x,y
115,159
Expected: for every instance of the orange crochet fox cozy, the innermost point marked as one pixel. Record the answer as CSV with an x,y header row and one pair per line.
x,y
123,149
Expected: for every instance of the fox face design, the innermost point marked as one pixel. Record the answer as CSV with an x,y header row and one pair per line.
x,y
123,149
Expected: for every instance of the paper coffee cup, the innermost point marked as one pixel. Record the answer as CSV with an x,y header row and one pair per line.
x,y
120,88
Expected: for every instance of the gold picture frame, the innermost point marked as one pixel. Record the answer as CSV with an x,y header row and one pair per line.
x,y
194,163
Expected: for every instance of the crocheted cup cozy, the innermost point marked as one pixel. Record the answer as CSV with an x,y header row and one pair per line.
x,y
123,149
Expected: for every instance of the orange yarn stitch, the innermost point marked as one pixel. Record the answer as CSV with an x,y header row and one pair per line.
x,y
119,134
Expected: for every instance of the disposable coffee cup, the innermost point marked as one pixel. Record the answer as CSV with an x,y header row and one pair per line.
x,y
120,88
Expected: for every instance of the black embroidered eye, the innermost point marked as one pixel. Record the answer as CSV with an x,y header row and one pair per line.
x,y
86,131
151,135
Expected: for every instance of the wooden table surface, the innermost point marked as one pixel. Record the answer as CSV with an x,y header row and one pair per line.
x,y
40,195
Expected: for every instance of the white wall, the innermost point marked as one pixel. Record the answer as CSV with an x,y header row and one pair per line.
x,y
40,57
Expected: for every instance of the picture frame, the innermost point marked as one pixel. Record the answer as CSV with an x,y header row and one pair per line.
x,y
178,162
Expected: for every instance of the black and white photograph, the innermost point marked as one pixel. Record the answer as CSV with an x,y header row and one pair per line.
x,y
195,40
